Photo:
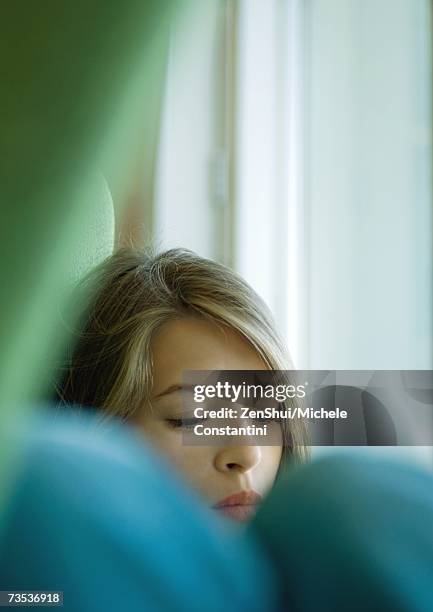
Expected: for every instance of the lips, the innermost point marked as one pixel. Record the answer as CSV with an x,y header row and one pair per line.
x,y
240,506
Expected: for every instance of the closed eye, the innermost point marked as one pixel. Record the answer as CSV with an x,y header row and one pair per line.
x,y
185,423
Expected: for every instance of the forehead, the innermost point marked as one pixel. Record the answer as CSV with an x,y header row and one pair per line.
x,y
197,344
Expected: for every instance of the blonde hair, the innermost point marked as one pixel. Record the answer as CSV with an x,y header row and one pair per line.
x,y
134,294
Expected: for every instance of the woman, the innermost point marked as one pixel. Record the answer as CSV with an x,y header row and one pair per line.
x,y
152,317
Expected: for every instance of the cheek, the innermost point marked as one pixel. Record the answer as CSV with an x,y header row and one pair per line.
x,y
167,441
271,457
191,461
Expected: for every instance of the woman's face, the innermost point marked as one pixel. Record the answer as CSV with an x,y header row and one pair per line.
x,y
216,472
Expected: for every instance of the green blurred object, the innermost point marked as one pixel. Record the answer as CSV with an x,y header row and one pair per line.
x,y
79,81
95,241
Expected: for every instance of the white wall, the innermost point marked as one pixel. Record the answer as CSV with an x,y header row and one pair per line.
x,y
183,199
261,196
369,192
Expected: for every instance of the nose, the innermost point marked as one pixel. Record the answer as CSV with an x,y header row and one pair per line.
x,y
240,458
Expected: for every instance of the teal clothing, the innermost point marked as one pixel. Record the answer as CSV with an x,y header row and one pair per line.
x,y
97,515
352,534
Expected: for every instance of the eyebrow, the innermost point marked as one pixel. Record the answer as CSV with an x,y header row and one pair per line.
x,y
173,389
